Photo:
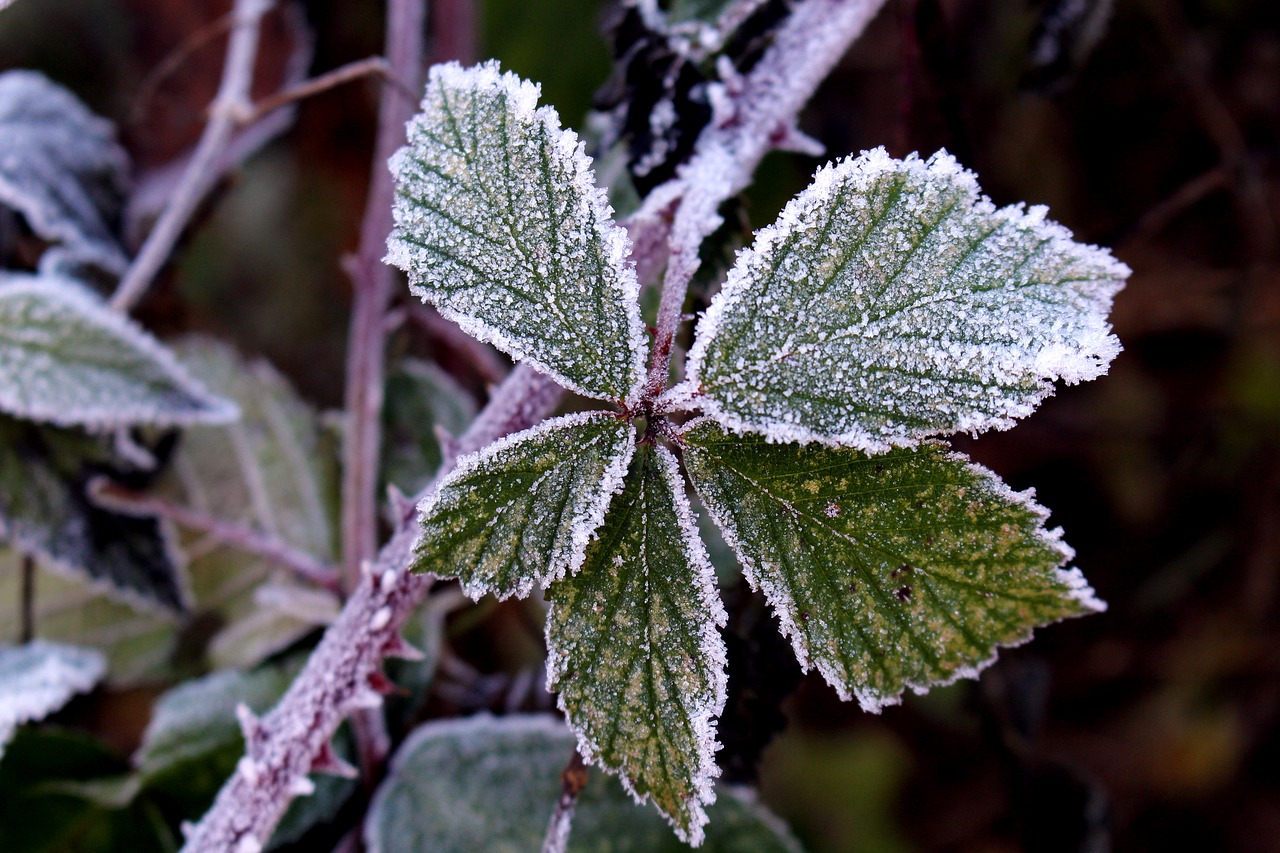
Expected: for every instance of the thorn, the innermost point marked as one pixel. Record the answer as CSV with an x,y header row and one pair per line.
x,y
249,725
380,619
399,647
402,505
187,828
302,786
366,568
388,579
248,768
788,137
328,761
365,699
448,444
384,686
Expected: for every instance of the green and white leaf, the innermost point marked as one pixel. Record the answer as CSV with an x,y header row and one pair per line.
x,y
522,511
499,224
491,784
906,569
892,301
38,678
46,511
420,399
62,170
633,648
69,360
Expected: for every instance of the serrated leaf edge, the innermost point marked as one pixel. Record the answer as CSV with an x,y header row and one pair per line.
x,y
712,644
1077,588
1090,361
585,526
72,680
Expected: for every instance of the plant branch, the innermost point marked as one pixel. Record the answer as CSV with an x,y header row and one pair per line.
x,y
229,108
758,116
373,66
290,741
572,780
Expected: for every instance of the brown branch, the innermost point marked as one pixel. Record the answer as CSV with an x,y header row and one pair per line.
x,y
572,781
373,66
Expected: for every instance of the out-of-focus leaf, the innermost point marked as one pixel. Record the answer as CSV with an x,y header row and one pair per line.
x,y
500,225
62,170
39,677
488,784
906,569
633,648
891,301
45,510
420,398
69,360
283,610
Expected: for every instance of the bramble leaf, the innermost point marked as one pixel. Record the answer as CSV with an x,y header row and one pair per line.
x,y
69,360
902,570
62,170
892,301
46,509
487,783
522,510
633,648
500,225
38,678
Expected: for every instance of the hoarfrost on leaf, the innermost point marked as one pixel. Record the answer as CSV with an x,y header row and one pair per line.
x,y
38,678
523,510
69,360
498,223
633,648
62,169
906,569
892,301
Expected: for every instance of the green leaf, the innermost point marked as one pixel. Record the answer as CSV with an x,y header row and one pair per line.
x,y
420,398
46,510
522,510
38,678
892,301
69,360
902,570
633,648
498,222
62,170
458,786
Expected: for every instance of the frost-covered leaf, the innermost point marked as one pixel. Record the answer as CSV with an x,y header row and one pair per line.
x,y
68,359
458,786
500,225
902,570
892,301
46,510
62,170
38,678
633,648
284,610
521,511
274,470
420,399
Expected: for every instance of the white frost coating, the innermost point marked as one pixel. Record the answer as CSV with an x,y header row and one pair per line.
x,y
38,678
891,301
1078,588
566,549
68,360
248,768
380,619
248,844
499,224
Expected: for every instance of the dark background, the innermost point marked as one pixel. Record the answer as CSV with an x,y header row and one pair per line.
x,y
1150,727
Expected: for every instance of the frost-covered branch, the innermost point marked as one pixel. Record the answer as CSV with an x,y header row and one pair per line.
x,y
753,116
229,108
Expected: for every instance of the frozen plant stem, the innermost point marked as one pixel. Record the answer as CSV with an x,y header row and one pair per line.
x,y
572,780
229,108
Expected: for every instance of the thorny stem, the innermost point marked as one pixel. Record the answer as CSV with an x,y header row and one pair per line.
x,y
286,744
761,117
229,108
572,780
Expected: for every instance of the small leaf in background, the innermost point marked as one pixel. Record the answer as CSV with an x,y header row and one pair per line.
x,y
420,398
892,301
499,224
489,784
633,648
902,570
69,360
62,170
522,511
284,611
46,510
38,678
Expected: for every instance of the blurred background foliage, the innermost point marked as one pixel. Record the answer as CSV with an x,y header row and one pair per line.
x,y
1155,129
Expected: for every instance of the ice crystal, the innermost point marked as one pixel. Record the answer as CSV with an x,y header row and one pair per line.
x,y
892,301
499,224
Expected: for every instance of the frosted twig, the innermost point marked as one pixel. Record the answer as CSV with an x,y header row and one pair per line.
x,y
572,780
231,533
335,681
371,66
229,108
758,117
